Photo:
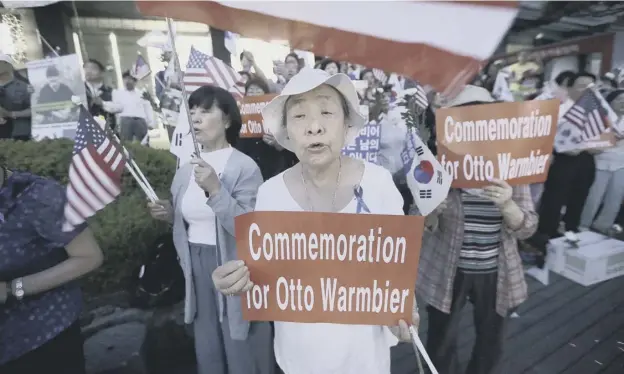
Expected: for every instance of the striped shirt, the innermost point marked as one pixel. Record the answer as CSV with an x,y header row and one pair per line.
x,y
482,235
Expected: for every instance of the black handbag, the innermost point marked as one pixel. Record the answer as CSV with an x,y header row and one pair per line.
x,y
159,280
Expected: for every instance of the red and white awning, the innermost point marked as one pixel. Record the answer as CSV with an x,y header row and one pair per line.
x,y
443,44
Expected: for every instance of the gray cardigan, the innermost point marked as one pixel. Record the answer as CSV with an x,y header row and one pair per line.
x,y
239,185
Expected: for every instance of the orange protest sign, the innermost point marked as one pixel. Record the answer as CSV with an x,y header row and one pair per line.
x,y
251,113
508,141
329,267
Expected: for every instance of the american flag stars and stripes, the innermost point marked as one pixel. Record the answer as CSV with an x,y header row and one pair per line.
x,y
380,75
588,115
94,173
203,69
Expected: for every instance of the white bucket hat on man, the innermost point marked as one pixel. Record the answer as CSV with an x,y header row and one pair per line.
x,y
470,94
306,80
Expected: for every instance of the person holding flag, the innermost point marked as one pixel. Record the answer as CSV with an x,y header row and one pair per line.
x,y
208,191
572,172
470,252
608,187
315,116
40,302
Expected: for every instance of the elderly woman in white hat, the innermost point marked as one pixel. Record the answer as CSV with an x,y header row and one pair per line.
x,y
314,117
470,253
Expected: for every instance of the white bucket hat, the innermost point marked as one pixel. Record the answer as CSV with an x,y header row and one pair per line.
x,y
470,94
306,80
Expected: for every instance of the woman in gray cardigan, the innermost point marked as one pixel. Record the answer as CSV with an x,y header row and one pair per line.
x,y
207,194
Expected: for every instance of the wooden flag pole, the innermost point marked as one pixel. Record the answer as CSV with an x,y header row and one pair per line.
x,y
178,70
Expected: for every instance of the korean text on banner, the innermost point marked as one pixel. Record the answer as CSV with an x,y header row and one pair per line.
x,y
366,145
251,112
329,267
508,141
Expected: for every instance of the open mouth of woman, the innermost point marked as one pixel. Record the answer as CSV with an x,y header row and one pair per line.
x,y
315,147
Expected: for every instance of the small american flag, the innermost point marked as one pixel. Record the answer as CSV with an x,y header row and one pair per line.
x,y
421,97
94,173
588,115
380,75
204,70
140,69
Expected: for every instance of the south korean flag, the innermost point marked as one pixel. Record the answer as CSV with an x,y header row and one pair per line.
x,y
182,145
427,180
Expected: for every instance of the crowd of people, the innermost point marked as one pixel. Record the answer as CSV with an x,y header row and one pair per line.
x,y
471,245
470,248
132,107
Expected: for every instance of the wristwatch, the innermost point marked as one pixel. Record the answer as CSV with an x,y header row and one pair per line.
x,y
17,289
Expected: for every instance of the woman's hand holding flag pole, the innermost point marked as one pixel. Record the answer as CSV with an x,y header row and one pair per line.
x,y
419,347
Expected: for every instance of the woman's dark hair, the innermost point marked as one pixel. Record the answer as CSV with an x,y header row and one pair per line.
x,y
346,109
255,81
96,63
582,74
126,74
364,72
613,95
564,77
293,55
325,63
206,97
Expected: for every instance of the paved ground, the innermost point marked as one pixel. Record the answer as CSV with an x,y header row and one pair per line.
x,y
563,328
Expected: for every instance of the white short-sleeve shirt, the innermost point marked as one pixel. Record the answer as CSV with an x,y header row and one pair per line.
x,y
198,215
324,348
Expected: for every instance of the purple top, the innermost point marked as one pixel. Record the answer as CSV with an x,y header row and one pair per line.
x,y
32,240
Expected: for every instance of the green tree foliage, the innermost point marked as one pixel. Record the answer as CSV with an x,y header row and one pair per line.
x,y
124,229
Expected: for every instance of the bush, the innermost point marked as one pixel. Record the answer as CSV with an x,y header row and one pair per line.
x,y
124,229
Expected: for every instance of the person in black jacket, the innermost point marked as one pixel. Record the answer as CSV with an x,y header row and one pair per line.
x,y
99,95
